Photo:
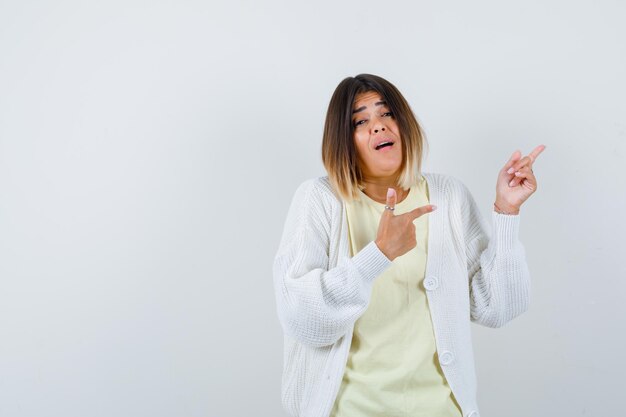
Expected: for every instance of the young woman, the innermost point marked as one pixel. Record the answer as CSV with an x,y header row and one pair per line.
x,y
381,268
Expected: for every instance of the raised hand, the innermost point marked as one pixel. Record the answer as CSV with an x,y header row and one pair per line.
x,y
516,181
396,234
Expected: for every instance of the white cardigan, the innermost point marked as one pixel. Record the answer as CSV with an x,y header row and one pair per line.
x,y
321,291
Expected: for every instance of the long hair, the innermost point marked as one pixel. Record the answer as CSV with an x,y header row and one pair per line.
x,y
339,153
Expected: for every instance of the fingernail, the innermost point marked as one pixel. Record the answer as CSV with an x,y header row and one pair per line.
x,y
433,207
389,192
510,171
511,183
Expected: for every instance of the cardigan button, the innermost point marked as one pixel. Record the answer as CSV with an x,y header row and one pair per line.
x,y
446,358
431,283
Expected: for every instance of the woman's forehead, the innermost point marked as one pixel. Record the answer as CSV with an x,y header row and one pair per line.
x,y
362,100
367,96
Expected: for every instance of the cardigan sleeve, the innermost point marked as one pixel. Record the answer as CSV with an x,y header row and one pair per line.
x,y
499,280
317,305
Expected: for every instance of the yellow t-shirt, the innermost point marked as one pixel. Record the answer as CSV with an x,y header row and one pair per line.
x,y
393,369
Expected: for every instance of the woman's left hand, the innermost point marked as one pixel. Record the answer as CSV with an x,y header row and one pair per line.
x,y
516,181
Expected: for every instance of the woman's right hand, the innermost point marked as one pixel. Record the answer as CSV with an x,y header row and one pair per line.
x,y
396,234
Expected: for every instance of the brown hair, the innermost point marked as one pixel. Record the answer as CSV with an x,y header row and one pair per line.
x,y
339,153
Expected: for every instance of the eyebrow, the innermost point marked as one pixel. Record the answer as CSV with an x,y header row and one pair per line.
x,y
379,103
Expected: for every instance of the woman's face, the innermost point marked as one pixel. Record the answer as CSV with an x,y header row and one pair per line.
x,y
374,125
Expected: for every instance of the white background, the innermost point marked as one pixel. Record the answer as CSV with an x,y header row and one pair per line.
x,y
149,151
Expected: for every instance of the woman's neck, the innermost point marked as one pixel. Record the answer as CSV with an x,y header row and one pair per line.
x,y
376,189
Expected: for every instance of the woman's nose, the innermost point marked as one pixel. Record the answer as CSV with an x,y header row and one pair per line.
x,y
381,129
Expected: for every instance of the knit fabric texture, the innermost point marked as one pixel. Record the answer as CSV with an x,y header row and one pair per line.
x,y
472,274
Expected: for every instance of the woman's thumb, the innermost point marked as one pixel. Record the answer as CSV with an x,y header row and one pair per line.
x,y
391,200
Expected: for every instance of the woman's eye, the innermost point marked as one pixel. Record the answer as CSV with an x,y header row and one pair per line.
x,y
363,121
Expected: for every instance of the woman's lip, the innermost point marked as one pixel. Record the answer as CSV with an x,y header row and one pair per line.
x,y
384,149
383,141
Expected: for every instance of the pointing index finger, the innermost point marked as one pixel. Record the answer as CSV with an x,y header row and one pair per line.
x,y
535,153
417,212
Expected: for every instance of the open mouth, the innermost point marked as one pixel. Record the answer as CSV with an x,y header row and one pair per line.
x,y
382,145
